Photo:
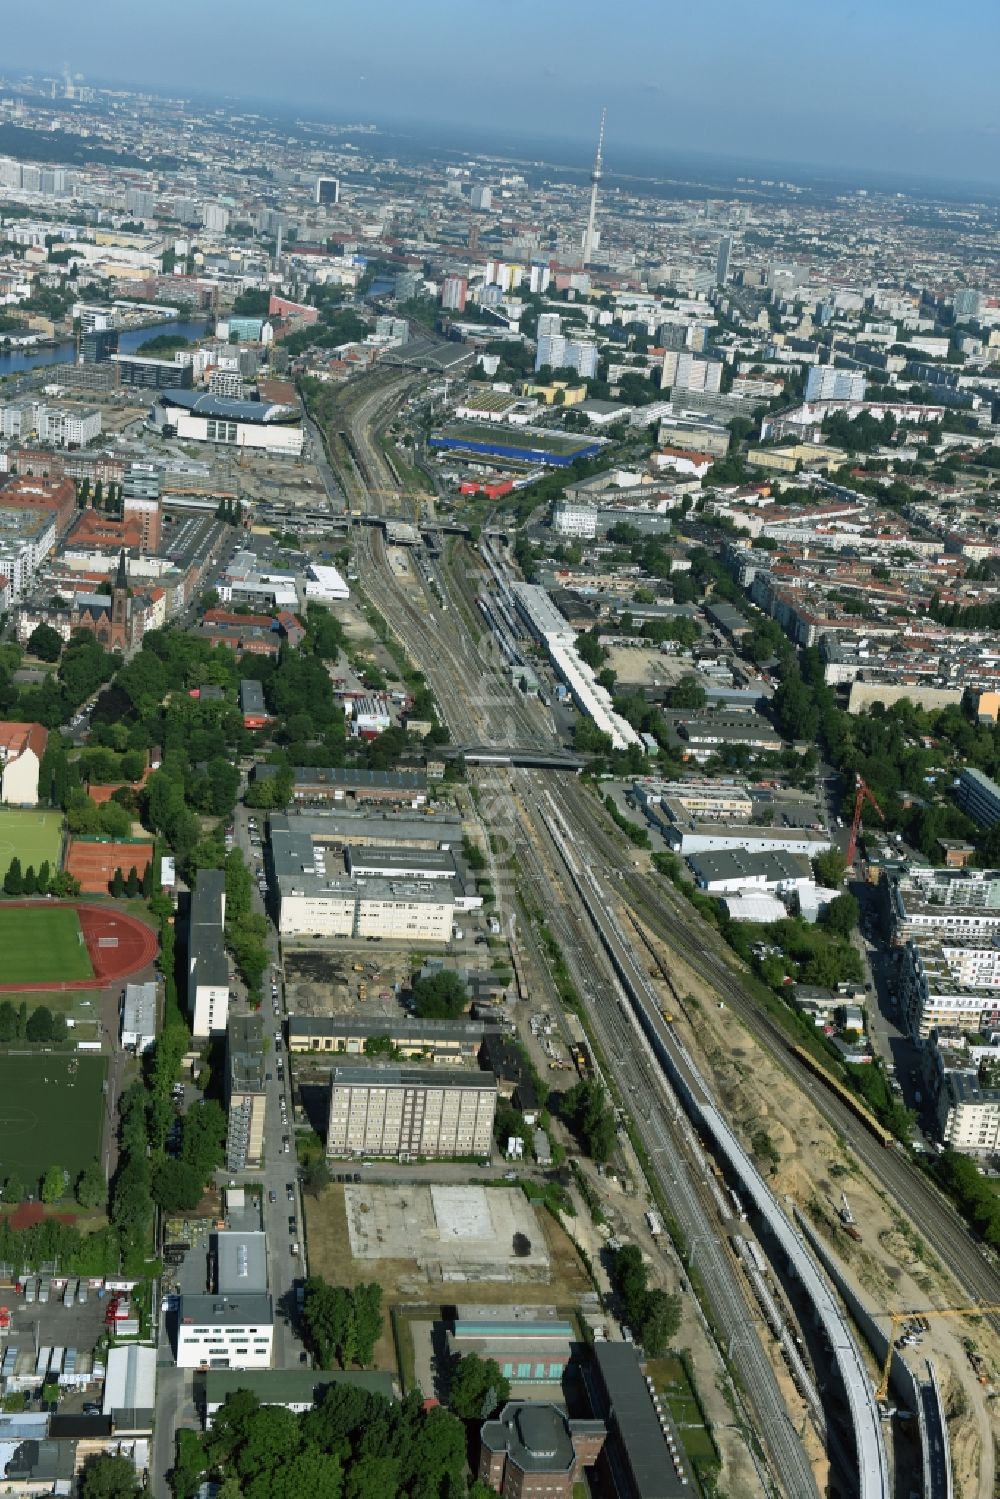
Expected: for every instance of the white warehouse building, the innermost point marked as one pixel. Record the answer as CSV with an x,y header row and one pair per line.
x,y
195,417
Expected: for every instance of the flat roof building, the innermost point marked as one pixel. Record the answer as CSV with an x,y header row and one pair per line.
x,y
437,1041
193,416
208,966
979,797
138,1025
408,1113
635,1428
246,1099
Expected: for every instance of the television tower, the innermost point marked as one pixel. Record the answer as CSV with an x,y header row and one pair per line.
x,y
595,177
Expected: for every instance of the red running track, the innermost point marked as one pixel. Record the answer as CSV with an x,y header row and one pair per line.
x,y
137,947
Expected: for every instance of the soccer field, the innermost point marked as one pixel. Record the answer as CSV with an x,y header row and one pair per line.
x,y
42,945
51,1108
32,836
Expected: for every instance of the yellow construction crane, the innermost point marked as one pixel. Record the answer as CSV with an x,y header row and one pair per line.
x,y
899,1319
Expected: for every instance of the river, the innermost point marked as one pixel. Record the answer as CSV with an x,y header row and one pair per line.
x,y
15,362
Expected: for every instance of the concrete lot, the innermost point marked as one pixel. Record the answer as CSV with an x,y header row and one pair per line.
x,y
466,1231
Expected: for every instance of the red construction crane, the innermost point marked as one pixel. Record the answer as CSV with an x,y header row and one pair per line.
x,y
863,795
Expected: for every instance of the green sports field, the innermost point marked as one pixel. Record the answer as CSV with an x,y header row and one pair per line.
x,y
42,945
32,836
51,1110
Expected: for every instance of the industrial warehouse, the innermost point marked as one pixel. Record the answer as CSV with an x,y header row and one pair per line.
x,y
378,891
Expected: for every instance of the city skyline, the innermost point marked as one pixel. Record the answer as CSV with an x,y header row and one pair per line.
x,y
844,91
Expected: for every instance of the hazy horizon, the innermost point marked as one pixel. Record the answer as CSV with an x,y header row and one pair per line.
x,y
849,89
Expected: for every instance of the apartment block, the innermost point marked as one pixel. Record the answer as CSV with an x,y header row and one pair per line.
x,y
246,1099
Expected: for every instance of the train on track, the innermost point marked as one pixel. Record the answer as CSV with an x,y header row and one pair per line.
x,y
848,1099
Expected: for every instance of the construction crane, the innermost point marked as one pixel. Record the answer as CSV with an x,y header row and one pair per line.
x,y
898,1319
863,795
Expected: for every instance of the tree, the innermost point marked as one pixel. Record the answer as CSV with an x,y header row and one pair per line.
x,y
118,884
91,1188
316,1176
688,694
189,1464
39,1027
13,1190
477,1388
53,1185
830,867
8,1022
13,880
587,1112
45,643
176,1186
104,1477
439,996
204,1140
30,881
132,883
841,915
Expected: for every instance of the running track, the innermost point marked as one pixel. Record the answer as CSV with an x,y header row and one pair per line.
x,y
137,947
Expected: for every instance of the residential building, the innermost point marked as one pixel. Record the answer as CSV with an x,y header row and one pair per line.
x,y
226,383
966,1096
54,497
97,345
683,370
410,1112
481,197
454,291
722,260
252,705
147,373
27,536
559,352
22,747
208,966
979,797
138,1021
932,998
246,1099
827,383
532,1450
944,903
141,502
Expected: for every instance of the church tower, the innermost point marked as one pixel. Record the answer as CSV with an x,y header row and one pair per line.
x,y
119,595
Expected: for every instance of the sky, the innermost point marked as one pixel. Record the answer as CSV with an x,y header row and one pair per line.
x,y
890,86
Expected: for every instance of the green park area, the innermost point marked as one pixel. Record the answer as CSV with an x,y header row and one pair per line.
x,y
32,837
42,944
51,1109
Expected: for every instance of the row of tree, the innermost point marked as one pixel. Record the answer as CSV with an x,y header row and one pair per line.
x,y
40,1026
18,881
